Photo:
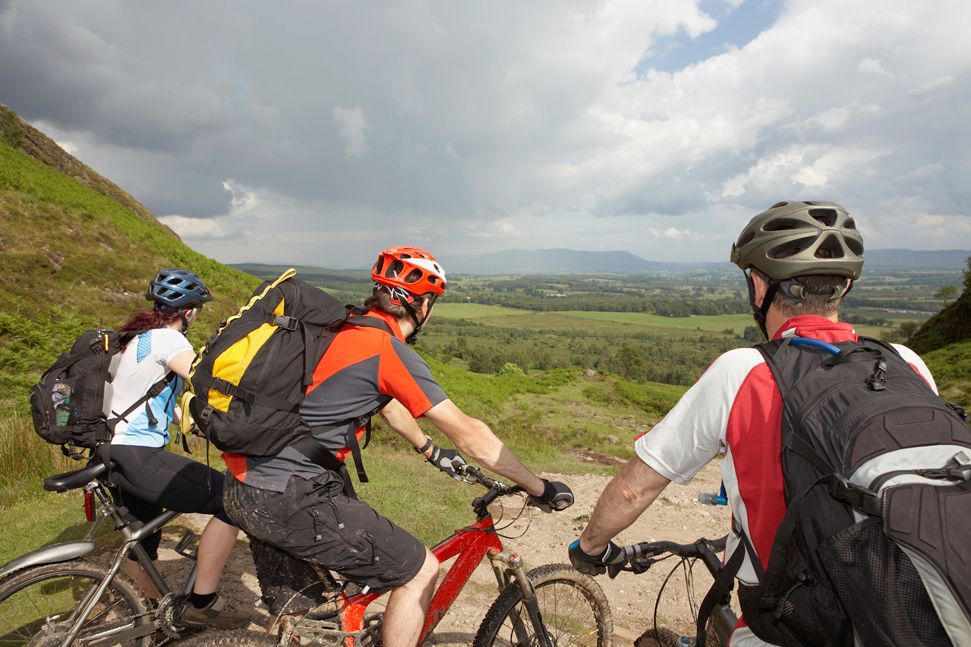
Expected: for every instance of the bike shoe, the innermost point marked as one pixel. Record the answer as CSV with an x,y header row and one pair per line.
x,y
213,615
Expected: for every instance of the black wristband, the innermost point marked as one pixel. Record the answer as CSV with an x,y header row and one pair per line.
x,y
548,492
424,448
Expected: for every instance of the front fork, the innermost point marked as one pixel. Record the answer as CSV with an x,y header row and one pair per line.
x,y
509,569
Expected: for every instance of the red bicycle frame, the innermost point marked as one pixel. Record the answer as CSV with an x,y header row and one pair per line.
x,y
470,544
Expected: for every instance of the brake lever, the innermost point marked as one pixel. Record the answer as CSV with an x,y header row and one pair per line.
x,y
613,570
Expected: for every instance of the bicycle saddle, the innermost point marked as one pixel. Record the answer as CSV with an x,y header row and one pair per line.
x,y
75,479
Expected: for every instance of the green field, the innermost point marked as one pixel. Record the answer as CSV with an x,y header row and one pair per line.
x,y
447,310
712,323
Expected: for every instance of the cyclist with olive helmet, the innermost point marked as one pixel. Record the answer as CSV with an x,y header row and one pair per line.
x,y
300,500
800,260
148,477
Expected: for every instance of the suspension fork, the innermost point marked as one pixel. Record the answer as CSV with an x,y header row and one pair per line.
x,y
508,569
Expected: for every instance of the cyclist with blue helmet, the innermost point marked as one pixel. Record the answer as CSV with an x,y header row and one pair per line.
x,y
148,477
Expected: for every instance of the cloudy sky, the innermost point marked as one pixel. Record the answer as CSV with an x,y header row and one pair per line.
x,y
320,132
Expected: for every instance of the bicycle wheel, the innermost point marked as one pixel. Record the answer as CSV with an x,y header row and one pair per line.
x,y
36,606
573,607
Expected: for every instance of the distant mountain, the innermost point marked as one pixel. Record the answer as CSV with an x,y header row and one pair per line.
x,y
571,261
914,259
552,261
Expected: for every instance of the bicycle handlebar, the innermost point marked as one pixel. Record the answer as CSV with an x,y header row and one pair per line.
x,y
475,475
638,558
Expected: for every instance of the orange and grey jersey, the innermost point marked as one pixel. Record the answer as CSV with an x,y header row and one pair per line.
x,y
363,369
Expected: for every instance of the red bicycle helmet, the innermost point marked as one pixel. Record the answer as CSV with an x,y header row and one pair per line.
x,y
409,272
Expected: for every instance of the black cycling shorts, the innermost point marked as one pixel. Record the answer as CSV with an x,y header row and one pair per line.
x,y
315,521
151,479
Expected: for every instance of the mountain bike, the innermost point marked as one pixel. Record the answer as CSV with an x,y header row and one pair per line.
x,y
53,597
549,606
641,557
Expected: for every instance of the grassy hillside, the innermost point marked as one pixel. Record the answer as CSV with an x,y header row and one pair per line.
x,y
951,367
77,252
950,325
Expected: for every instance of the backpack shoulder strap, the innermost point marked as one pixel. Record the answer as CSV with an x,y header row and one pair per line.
x,y
153,391
359,319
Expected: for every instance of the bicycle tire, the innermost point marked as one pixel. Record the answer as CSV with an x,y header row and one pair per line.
x,y
581,618
233,638
32,600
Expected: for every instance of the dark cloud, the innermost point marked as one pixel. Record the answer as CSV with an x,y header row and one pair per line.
x,y
476,125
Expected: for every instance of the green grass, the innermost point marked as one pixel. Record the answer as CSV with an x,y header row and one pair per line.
x,y
711,323
74,258
447,310
951,368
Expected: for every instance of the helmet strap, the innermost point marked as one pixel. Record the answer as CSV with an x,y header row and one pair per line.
x,y
413,337
759,313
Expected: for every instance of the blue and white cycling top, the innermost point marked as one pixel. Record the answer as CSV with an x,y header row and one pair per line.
x,y
145,362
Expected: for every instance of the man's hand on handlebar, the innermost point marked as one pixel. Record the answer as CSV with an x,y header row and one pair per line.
x,y
447,460
612,555
556,496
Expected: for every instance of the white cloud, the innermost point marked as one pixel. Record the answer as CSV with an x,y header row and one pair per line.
x,y
351,127
501,228
200,229
469,125
242,199
873,66
669,233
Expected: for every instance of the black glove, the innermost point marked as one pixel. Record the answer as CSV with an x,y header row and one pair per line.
x,y
447,460
595,564
556,496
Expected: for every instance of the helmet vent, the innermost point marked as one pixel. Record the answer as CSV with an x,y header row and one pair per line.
x,y
413,275
830,248
791,248
849,224
745,240
824,216
777,205
783,224
394,269
854,246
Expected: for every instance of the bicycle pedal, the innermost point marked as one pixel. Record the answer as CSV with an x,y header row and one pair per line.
x,y
186,544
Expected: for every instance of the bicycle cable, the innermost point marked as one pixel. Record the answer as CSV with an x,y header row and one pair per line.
x,y
657,600
518,516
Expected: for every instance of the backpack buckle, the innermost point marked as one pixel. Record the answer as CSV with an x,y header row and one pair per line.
x,y
284,321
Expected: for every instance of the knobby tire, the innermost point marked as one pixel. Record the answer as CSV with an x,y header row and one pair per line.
x,y
233,638
573,606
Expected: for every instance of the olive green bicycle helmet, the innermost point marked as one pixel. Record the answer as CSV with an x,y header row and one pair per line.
x,y
800,238
793,239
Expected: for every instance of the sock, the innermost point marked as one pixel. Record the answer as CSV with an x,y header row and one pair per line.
x,y
201,600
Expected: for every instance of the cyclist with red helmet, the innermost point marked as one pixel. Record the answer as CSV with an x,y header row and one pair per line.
x,y
305,505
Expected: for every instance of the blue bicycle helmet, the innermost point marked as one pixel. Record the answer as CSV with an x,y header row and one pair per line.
x,y
176,288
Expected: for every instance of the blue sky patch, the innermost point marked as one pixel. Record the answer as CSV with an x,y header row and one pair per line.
x,y
736,27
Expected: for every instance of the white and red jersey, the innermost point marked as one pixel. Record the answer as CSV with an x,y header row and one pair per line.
x,y
735,410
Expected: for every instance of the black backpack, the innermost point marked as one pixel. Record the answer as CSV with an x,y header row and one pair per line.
x,y
876,538
249,380
68,404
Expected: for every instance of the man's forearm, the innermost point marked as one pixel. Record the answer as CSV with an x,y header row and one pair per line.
x,y
623,500
485,448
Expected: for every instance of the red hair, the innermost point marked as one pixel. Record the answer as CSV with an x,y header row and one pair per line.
x,y
149,320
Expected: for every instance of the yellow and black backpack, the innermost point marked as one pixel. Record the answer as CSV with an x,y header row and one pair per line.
x,y
247,384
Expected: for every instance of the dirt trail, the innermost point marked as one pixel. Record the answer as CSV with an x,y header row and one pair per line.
x,y
675,516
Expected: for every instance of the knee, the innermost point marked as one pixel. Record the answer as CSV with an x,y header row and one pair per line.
x,y
428,571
